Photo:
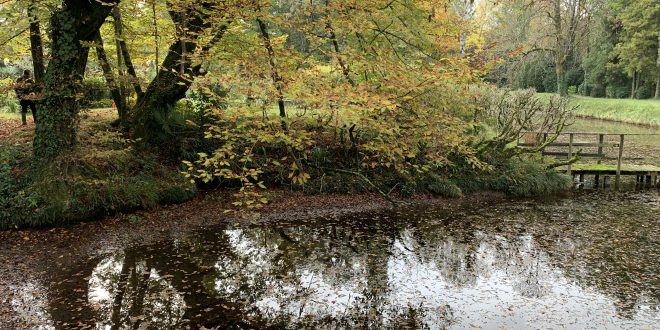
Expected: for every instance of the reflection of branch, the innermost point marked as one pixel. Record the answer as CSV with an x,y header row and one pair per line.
x,y
122,286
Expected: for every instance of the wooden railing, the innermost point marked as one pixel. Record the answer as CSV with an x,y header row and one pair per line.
x,y
536,139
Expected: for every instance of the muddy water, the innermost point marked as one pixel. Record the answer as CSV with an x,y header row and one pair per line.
x,y
588,261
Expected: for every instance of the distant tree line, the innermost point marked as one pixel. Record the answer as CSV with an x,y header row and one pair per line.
x,y
598,48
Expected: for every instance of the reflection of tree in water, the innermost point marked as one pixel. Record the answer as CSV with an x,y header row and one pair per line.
x,y
615,250
466,248
127,293
376,271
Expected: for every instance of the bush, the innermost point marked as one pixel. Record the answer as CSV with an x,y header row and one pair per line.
x,y
9,104
644,92
521,178
8,101
598,90
617,92
94,90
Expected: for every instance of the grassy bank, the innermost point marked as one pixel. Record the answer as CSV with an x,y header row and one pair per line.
x,y
643,112
109,174
105,175
6,115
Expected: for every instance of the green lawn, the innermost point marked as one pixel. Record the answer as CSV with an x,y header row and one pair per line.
x,y
646,112
609,167
4,115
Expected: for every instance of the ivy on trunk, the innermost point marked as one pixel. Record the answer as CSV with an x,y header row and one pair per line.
x,y
177,72
73,28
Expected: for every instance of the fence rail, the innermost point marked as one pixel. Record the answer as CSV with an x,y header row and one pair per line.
x,y
572,148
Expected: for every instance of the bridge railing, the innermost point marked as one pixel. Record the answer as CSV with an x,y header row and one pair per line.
x,y
567,147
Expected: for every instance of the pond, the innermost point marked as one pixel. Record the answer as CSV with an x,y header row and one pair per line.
x,y
587,261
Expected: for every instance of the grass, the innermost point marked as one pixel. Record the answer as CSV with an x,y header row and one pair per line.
x,y
4,115
643,112
104,175
608,168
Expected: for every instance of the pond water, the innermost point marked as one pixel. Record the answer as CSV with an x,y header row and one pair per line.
x,y
588,261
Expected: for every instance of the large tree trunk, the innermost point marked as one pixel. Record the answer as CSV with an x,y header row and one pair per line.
x,y
123,50
36,45
169,86
560,54
72,28
562,84
274,73
111,80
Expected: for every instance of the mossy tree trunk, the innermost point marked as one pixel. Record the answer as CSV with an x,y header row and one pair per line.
x,y
73,28
175,75
36,44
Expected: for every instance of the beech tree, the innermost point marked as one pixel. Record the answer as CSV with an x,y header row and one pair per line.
x,y
200,25
73,28
639,47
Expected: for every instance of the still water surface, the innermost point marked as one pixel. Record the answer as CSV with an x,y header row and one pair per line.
x,y
588,261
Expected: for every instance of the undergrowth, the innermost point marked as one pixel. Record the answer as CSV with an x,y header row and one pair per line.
x,y
110,174
105,175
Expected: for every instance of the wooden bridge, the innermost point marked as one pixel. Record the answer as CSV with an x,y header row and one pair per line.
x,y
602,165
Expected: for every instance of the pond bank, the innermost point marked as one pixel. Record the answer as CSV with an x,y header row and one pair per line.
x,y
638,112
618,120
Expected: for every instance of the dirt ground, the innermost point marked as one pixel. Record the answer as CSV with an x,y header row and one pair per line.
x,y
10,126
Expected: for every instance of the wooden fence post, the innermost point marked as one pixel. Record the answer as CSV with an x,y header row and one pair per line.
x,y
570,151
618,164
601,141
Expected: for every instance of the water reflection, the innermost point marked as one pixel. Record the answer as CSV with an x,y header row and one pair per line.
x,y
521,265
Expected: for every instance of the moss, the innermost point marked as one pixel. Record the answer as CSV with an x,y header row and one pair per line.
x,y
445,187
105,175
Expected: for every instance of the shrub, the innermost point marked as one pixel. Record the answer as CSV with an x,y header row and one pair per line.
x,y
522,178
617,92
94,90
644,92
8,101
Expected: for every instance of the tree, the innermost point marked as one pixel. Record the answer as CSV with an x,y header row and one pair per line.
x,y
557,27
73,27
637,50
200,25
36,44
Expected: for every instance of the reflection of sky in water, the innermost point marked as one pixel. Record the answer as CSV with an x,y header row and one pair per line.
x,y
496,300
512,285
162,305
508,274
303,294
29,304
